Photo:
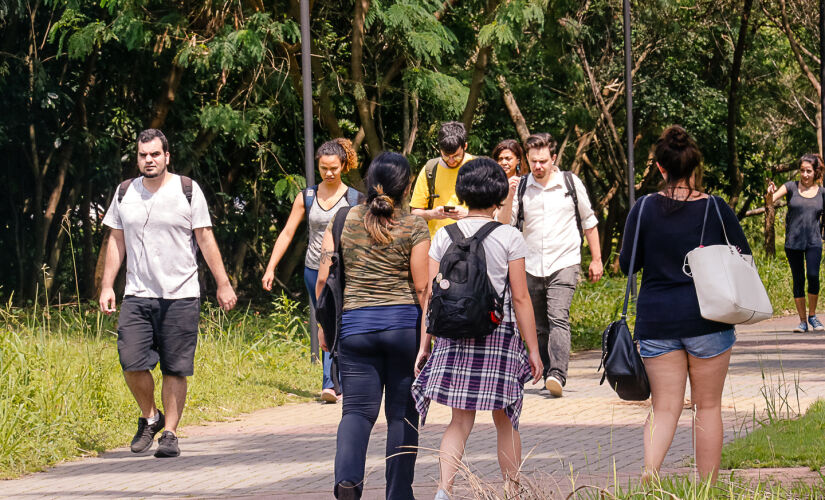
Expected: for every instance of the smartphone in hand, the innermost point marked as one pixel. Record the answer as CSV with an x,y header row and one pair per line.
x,y
449,208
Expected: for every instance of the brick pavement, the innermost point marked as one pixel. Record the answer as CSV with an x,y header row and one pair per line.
x,y
588,436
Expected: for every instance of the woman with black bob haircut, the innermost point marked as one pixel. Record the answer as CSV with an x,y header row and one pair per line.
x,y
482,186
384,251
674,340
452,375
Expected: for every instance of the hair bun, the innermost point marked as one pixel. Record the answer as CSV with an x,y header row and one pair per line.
x,y
678,137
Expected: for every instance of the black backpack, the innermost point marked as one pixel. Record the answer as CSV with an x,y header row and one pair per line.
x,y
464,304
330,304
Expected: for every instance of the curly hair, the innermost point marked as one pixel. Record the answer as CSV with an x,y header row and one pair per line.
x,y
816,162
342,148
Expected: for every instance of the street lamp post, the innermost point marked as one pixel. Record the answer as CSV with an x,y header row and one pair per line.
x,y
309,146
628,79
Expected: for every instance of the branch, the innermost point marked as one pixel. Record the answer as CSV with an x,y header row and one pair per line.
x,y
795,48
363,105
513,108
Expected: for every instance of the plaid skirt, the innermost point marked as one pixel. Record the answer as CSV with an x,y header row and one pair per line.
x,y
487,373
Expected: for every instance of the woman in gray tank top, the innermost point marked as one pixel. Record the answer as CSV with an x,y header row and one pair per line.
x,y
803,240
319,204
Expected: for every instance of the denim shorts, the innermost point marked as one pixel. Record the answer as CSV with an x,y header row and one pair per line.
x,y
703,346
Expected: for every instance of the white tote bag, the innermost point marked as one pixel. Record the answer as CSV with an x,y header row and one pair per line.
x,y
727,283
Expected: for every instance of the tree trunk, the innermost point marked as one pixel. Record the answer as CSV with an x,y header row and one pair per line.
x,y
87,271
513,109
770,233
408,144
734,173
479,70
167,96
360,93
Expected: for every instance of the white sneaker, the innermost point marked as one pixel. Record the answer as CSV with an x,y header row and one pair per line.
x,y
329,396
441,495
553,385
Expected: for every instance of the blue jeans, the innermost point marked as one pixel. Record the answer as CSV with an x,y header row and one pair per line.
x,y
310,277
372,364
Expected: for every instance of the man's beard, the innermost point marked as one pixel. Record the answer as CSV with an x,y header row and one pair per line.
x,y
158,172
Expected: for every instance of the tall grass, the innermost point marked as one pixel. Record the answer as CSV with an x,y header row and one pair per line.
x,y
64,395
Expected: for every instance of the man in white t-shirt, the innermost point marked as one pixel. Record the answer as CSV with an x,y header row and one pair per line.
x,y
157,222
556,218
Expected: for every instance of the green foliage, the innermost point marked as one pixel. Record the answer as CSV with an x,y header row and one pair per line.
x,y
442,91
62,383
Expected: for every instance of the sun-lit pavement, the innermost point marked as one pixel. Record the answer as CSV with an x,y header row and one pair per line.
x,y
588,436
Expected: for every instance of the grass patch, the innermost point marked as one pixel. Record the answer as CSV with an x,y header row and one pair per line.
x,y
731,488
782,443
64,394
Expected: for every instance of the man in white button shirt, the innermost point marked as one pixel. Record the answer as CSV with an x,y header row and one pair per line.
x,y
555,216
158,221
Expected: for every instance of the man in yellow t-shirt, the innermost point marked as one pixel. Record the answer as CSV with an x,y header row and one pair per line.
x,y
441,206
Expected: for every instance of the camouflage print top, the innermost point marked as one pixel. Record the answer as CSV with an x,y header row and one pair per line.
x,y
379,275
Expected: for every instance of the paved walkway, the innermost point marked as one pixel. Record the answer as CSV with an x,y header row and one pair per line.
x,y
585,437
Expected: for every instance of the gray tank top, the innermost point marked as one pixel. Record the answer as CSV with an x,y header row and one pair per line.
x,y
318,222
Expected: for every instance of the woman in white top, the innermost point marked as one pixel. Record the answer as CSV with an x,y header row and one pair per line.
x,y
482,373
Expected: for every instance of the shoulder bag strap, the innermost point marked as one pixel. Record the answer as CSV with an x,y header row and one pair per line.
x,y
704,222
630,276
721,220
186,185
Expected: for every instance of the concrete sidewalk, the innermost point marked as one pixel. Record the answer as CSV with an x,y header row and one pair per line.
x,y
586,436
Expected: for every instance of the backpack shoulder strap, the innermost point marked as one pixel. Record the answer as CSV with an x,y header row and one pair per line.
x,y
571,190
454,232
121,190
431,169
522,188
186,185
354,197
338,227
308,193
485,230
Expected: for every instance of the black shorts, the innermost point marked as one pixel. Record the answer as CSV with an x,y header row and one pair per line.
x,y
151,330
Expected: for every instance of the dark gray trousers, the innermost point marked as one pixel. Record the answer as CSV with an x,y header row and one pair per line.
x,y
551,297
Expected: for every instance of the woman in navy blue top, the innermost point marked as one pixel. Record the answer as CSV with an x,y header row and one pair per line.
x,y
803,243
674,340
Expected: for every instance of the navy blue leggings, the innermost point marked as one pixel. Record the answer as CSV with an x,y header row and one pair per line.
x,y
372,363
804,263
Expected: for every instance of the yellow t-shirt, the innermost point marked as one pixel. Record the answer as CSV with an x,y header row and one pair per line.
x,y
445,189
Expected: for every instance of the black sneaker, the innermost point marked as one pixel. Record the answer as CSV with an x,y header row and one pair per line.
x,y
167,445
346,490
146,433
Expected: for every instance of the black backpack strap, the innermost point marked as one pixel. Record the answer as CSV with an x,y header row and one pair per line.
x,y
121,190
454,232
485,230
430,170
522,188
186,185
571,191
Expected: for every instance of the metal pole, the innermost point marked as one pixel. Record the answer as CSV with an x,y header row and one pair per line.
x,y
822,74
628,78
309,146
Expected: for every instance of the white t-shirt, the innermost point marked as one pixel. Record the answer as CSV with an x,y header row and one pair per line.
x,y
158,229
503,245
